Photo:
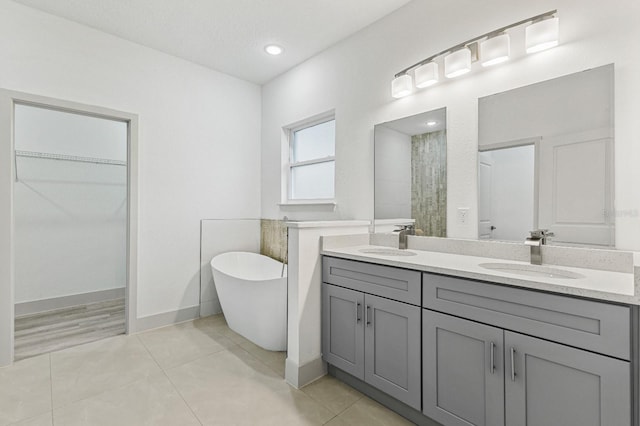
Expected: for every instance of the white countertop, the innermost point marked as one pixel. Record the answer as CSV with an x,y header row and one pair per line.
x,y
596,284
325,223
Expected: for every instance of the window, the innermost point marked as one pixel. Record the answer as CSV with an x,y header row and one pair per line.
x,y
312,161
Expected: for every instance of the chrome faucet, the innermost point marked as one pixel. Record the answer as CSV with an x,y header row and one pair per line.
x,y
536,240
403,231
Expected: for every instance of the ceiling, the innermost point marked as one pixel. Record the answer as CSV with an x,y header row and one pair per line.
x,y
227,35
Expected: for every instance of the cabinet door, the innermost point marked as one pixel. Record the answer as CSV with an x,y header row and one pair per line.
x,y
392,353
463,380
552,384
343,329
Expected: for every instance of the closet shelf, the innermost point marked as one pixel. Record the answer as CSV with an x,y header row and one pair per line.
x,y
49,156
61,157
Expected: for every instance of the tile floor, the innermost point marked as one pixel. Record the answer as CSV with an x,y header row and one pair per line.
x,y
195,373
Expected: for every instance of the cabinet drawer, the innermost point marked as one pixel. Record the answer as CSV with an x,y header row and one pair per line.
x,y
393,283
595,326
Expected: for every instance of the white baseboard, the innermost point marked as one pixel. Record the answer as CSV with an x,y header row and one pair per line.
x,y
167,318
210,307
299,376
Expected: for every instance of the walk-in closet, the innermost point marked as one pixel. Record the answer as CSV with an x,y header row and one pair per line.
x,y
70,228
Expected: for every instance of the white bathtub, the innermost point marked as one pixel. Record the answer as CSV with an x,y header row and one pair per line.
x,y
253,295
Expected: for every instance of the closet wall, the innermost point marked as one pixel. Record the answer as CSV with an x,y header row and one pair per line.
x,y
70,216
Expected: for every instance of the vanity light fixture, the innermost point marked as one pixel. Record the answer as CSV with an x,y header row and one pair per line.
x,y
495,50
457,63
426,75
401,86
542,34
490,49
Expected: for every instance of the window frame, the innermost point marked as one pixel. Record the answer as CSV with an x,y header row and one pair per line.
x,y
290,164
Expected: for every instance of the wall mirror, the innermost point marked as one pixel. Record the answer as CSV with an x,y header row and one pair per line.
x,y
411,173
546,160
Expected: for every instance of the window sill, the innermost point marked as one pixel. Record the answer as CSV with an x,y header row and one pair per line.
x,y
299,203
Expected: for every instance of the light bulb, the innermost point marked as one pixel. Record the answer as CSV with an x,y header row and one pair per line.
x,y
273,49
495,50
426,75
542,35
401,86
457,63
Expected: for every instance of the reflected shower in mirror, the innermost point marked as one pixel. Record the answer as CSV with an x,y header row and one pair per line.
x,y
411,173
545,160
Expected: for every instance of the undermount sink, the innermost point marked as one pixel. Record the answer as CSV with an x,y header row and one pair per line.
x,y
387,252
532,270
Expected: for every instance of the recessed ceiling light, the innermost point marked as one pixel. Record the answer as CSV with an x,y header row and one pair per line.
x,y
431,123
273,49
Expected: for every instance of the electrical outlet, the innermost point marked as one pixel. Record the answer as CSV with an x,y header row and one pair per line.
x,y
463,215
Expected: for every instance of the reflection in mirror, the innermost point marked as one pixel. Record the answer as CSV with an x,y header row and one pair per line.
x,y
546,160
507,192
411,173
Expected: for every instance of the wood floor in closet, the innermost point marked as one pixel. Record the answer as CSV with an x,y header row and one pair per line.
x,y
50,331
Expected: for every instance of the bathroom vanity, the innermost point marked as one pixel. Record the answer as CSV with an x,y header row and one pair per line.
x,y
468,346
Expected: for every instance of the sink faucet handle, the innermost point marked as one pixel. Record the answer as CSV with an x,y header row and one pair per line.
x,y
409,227
541,234
536,233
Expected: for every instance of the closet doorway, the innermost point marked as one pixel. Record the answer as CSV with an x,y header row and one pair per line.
x,y
71,227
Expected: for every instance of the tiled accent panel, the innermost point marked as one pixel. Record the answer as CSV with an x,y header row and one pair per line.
x,y
429,183
273,239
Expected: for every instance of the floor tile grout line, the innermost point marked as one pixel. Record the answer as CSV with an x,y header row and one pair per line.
x,y
327,422
102,392
190,361
53,422
173,386
327,407
267,365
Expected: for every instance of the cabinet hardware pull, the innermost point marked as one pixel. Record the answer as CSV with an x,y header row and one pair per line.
x,y
492,358
513,364
358,312
368,315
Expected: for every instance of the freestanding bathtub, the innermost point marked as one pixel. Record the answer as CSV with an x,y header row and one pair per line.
x,y
253,294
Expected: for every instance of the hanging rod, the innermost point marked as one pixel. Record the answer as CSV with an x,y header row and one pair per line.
x,y
48,156
61,157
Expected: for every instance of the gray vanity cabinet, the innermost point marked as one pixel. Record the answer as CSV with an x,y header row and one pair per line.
x,y
470,353
552,384
342,329
479,375
483,370
392,351
374,339
463,371
371,325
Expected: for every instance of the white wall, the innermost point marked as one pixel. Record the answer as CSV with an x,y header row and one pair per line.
x,y
199,139
354,78
393,174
